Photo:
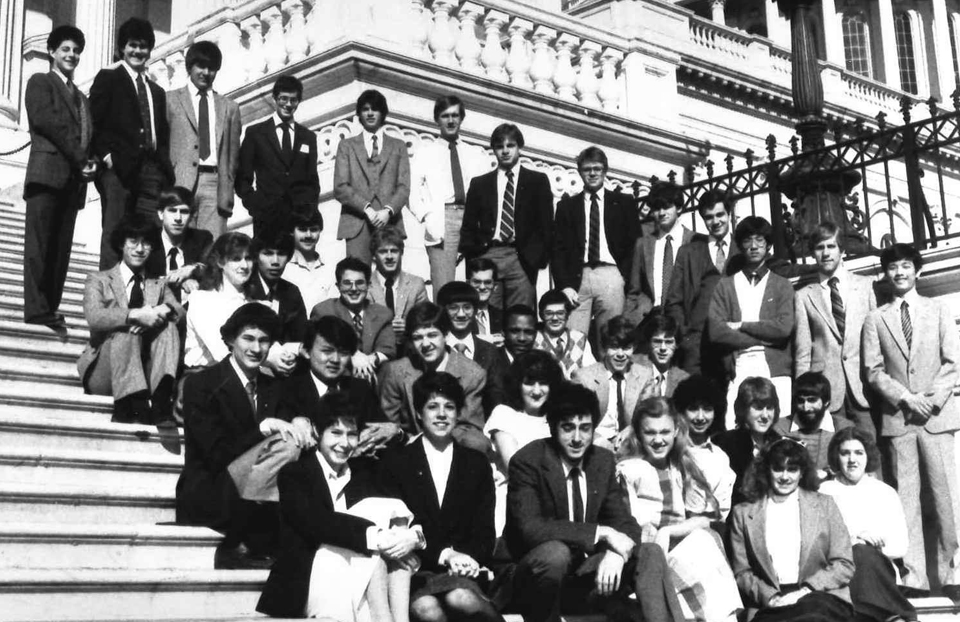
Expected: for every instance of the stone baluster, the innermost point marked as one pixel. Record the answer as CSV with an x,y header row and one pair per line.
x,y
518,61
315,24
610,91
541,69
232,72
178,69
274,47
442,38
564,77
296,33
255,61
419,29
468,47
493,56
588,85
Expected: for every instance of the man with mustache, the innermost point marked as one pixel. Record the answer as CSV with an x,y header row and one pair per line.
x,y
307,269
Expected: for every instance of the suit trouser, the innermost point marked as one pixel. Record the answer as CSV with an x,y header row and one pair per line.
x,y
443,256
206,195
914,458
121,369
518,287
51,217
601,296
116,200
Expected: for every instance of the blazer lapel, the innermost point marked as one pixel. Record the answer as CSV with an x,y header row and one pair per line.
x,y
65,94
360,153
809,528
401,299
921,320
118,286
603,395
425,477
272,138
648,255
153,291
220,114
557,483
631,391
580,221
820,305
891,317
450,501
183,96
757,527
591,509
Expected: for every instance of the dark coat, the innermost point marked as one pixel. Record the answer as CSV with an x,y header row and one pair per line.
x,y
738,445
196,243
299,398
293,313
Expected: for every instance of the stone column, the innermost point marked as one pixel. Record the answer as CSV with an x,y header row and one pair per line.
x,y
888,43
98,22
832,32
717,13
946,82
11,58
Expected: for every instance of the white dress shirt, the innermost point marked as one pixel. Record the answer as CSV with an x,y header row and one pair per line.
x,y
501,189
871,506
439,462
167,246
211,117
913,299
843,285
278,123
368,142
127,275
336,482
146,85
783,537
712,249
659,247
609,425
471,347
208,311
605,256
750,299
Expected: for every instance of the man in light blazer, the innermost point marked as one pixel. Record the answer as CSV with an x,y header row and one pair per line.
x,y
58,169
205,139
371,178
910,358
390,286
830,315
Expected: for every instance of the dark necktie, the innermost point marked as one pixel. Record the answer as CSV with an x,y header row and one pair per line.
x,y
358,324
286,146
906,323
506,217
754,278
144,111
375,148
81,114
721,259
667,267
136,293
836,303
252,396
388,292
618,377
459,195
174,264
203,127
577,495
593,245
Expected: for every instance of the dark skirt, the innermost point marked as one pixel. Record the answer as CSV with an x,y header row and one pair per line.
x,y
814,607
428,583
874,588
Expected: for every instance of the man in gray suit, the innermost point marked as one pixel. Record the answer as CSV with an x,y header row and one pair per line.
x,y
910,354
371,178
390,286
830,315
205,139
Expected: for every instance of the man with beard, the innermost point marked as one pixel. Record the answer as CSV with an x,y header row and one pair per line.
x,y
390,286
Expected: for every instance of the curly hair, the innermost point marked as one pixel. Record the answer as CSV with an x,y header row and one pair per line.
x,y
782,453
534,366
230,246
853,434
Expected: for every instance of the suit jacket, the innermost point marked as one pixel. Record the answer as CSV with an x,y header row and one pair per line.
x,y
357,180
218,427
118,128
377,336
595,378
105,309
640,291
299,398
928,365
185,143
57,152
465,519
410,290
826,556
292,313
533,217
309,520
196,243
738,445
620,227
487,356
537,505
773,330
281,186
495,318
819,346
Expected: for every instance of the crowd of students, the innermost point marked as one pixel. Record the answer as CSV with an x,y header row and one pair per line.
x,y
618,447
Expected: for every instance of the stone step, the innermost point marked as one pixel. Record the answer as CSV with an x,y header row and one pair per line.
x,y
40,465
16,291
17,397
77,431
12,306
91,503
36,334
78,263
13,242
38,354
74,282
104,546
26,373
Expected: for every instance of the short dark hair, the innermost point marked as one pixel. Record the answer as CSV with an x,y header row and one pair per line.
x,y
518,310
306,218
751,226
251,315
534,366
386,235
178,195
899,252
553,297
568,400
135,29
480,264
334,330
757,392
664,194
288,84
376,100
354,264
780,453
445,101
424,315
437,383
230,246
824,231
659,323
506,131
618,333
66,33
281,241
206,54
813,383
853,434
335,406
457,291
592,154
711,197
133,226
700,391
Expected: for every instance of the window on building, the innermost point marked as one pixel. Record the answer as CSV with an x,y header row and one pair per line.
x,y
856,44
906,56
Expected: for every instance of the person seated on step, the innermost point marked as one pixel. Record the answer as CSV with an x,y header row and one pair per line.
x,y
310,271
658,348
236,445
568,346
183,249
134,346
390,285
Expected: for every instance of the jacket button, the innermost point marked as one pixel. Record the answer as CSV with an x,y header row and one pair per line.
x,y
194,165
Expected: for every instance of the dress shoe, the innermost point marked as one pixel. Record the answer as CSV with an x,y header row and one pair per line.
x,y
240,558
53,320
169,435
132,409
914,592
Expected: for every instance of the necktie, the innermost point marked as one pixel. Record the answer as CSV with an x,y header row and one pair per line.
x,y
388,292
482,322
81,114
286,146
836,303
358,324
174,264
375,149
203,127
593,245
618,377
906,323
459,196
144,111
136,294
577,495
460,347
667,267
252,395
658,385
721,259
560,347
506,217
754,278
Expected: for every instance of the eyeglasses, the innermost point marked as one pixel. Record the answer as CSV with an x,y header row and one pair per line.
x,y
134,243
351,285
554,315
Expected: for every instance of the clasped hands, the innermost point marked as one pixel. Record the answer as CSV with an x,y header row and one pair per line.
x,y
920,406
377,217
146,318
397,544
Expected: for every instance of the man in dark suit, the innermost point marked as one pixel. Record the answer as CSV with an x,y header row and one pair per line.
x,y
482,276
700,264
59,167
390,286
371,178
236,445
279,157
571,528
130,134
508,219
595,233
183,249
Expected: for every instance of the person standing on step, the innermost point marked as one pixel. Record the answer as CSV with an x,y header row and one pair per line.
x,y
58,170
205,139
130,134
180,255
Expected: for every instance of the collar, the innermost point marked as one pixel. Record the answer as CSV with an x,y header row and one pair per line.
x,y
567,467
431,451
706,445
727,241
132,72
352,313
841,274
676,233
368,136
468,341
515,169
793,499
195,92
277,121
442,366
62,76
125,273
382,280
240,374
553,340
328,472
298,259
761,272
610,372
912,298
168,243
269,291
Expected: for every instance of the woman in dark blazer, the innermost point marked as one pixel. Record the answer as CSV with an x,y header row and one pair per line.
x,y
789,547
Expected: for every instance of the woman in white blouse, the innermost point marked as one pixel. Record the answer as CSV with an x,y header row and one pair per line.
x,y
874,517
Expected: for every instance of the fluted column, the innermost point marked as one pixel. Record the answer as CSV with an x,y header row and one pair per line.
x,y
832,32
946,81
98,21
11,55
888,43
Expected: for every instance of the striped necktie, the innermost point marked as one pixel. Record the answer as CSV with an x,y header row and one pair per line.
x,y
906,323
836,304
506,217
